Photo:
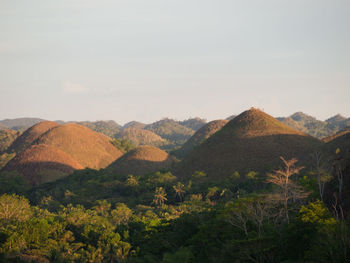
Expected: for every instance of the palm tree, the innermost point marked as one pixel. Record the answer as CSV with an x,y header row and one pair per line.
x,y
179,189
159,196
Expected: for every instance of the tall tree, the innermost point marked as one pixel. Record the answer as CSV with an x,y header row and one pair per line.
x,y
290,190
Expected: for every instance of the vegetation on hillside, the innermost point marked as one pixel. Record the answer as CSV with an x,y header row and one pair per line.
x,y
97,216
171,131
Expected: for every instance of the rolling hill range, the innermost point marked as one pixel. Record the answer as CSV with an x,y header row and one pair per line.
x,y
134,124
253,140
141,137
170,130
200,136
310,125
193,123
142,160
20,124
109,128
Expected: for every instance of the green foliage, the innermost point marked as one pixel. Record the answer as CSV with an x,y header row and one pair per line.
x,y
124,145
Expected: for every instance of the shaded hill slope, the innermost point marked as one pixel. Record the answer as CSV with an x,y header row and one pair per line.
x,y
42,163
200,136
141,137
89,148
31,135
7,137
142,160
253,140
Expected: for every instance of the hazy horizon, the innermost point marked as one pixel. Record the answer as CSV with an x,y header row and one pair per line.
x,y
146,60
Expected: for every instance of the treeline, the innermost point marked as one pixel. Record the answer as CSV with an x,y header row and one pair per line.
x,y
275,217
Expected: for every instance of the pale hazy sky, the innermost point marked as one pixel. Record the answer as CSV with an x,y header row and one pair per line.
x,y
148,59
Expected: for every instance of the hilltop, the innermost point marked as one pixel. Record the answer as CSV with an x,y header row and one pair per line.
x,y
200,136
109,128
170,130
141,137
134,124
193,123
142,160
89,148
253,140
31,135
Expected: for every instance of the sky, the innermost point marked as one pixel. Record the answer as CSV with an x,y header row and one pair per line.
x,y
149,59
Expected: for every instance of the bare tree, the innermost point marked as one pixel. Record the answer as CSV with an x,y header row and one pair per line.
x,y
322,174
290,190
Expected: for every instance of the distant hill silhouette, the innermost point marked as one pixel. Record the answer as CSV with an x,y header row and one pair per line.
x,y
253,140
193,123
339,121
142,160
134,124
314,127
141,137
170,130
89,148
42,163
200,136
20,124
109,128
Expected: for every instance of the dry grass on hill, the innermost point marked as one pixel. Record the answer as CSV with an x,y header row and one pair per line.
x,y
142,160
253,140
200,136
30,135
43,163
89,148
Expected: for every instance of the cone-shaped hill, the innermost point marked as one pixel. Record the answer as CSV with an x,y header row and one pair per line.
x,y
89,148
200,136
142,160
42,163
31,135
253,141
141,137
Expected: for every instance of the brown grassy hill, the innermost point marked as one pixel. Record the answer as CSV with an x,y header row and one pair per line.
x,y
200,136
30,135
142,160
89,148
141,137
253,140
42,163
7,137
